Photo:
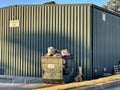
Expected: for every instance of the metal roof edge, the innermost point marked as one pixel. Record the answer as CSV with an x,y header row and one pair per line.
x,y
106,10
81,4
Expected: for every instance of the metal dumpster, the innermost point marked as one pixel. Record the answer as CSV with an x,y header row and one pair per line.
x,y
53,70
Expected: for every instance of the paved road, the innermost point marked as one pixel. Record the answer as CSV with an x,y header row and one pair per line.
x,y
19,83
114,88
25,83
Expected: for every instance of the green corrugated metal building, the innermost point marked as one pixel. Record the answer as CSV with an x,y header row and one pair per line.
x,y
89,32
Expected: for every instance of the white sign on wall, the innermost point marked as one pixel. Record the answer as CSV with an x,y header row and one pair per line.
x,y
104,17
14,23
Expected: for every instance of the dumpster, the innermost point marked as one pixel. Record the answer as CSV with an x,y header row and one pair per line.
x,y
55,71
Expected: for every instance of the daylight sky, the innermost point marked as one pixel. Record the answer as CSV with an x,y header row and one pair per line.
x,y
4,3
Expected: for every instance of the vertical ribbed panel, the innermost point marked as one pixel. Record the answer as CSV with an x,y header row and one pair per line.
x,y
106,41
0,36
60,26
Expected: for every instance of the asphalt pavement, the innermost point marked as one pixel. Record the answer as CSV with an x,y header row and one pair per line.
x,y
20,83
114,88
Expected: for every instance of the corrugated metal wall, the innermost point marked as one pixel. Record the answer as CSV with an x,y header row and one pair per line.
x,y
106,41
60,26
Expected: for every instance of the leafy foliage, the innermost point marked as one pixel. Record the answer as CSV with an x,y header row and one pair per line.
x,y
113,5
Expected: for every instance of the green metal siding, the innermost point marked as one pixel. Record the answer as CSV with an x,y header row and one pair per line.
x,y
106,43
41,26
0,30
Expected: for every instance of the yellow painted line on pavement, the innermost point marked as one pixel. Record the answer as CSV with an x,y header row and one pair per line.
x,y
82,84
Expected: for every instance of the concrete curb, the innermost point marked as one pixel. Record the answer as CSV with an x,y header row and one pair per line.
x,y
100,86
